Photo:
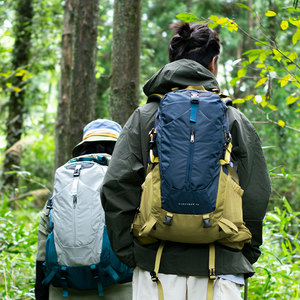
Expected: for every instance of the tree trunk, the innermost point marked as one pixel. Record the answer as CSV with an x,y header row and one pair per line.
x,y
124,97
12,160
78,83
62,128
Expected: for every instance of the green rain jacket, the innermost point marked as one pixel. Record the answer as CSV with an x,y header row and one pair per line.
x,y
121,191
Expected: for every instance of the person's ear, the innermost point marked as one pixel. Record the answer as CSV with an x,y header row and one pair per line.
x,y
213,66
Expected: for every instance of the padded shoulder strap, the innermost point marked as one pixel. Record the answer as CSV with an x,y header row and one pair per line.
x,y
155,98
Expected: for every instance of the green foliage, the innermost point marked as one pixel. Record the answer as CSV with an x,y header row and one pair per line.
x,y
18,240
277,271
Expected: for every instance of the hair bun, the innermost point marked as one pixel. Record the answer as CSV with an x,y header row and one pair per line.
x,y
183,30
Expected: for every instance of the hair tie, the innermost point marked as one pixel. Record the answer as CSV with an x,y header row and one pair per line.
x,y
188,38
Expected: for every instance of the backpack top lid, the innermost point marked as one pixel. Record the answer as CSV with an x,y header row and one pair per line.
x,y
99,130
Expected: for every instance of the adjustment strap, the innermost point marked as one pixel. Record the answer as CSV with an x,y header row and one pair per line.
x,y
153,157
212,271
226,160
96,276
51,275
194,108
76,175
228,153
63,278
145,230
156,269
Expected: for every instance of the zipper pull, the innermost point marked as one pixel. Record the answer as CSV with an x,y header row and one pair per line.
x,y
74,201
192,139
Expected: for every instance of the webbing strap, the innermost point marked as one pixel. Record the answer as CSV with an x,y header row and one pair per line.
x,y
95,274
194,108
212,271
51,275
153,159
228,153
193,116
75,183
156,269
145,230
63,278
210,290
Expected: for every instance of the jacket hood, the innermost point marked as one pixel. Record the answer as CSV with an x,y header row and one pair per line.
x,y
180,74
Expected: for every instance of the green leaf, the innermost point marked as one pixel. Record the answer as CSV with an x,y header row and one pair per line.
x,y
291,67
270,13
232,26
291,99
297,84
242,72
212,25
284,25
243,6
261,81
260,66
253,52
252,58
293,9
264,103
295,22
285,80
187,17
222,21
296,37
238,101
233,81
287,205
293,56
273,107
245,63
277,55
261,43
249,97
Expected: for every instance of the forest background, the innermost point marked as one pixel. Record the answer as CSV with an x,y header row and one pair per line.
x,y
59,70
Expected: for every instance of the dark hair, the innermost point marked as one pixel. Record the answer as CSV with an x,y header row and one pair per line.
x,y
194,41
95,147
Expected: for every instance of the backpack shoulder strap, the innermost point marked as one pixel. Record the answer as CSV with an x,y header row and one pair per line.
x,y
154,98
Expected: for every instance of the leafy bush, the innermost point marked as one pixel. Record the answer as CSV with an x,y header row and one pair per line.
x,y
277,271
18,240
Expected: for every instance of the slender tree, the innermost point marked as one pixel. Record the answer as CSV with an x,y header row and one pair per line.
x,y
78,84
124,97
20,60
62,128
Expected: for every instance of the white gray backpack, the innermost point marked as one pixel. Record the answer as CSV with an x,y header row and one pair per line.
x,y
78,252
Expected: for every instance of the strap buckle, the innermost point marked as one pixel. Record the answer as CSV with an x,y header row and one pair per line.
x,y
63,273
212,274
154,277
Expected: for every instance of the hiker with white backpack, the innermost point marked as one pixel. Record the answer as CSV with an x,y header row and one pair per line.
x,y
74,256
187,187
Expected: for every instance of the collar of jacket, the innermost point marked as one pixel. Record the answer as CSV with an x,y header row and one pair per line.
x,y
180,74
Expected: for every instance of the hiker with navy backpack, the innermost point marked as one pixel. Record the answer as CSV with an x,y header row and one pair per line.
x,y
74,257
187,187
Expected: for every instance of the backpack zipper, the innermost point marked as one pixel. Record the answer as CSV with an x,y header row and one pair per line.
x,y
191,156
76,175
